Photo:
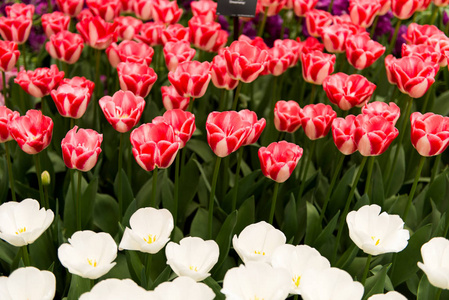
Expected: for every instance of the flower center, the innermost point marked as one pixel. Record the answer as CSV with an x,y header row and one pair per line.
x,y
259,252
150,239
374,239
92,262
193,268
296,280
21,230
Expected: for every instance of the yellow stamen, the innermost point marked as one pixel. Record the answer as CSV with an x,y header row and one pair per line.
x,y
296,280
193,268
377,242
150,239
259,252
92,262
21,230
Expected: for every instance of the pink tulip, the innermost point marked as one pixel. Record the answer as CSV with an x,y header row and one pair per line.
x,y
430,133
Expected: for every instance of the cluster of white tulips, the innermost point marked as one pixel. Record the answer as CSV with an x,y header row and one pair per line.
x,y
271,268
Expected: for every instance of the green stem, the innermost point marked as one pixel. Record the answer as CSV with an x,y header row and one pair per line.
x,y
313,94
78,202
306,168
273,202
190,107
221,104
426,100
72,178
434,15
329,9
299,26
365,272
435,168
393,39
262,25
212,194
373,27
346,209
98,88
10,173
368,177
26,256
331,187
49,6
37,162
236,179
153,192
438,294
148,260
413,190
4,88
24,56
236,96
176,192
119,188
302,92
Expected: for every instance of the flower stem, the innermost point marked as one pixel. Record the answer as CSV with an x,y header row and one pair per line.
x,y
26,256
148,260
393,39
10,173
302,91
4,87
435,168
212,194
426,100
273,202
98,89
190,107
346,209
331,187
306,168
438,294
434,15
37,162
221,104
415,184
368,177
24,56
329,9
365,272
236,96
236,179
262,25
176,192
119,188
78,203
373,27
313,94
153,192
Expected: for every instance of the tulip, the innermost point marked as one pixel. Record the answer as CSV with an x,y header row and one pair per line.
x,y
256,280
244,62
363,12
316,20
150,33
439,44
257,126
127,6
435,261
279,59
32,132
54,23
175,33
298,260
257,41
316,66
301,7
411,74
88,254
192,257
6,116
272,7
123,110
440,3
166,12
310,44
343,134
184,288
23,222
128,27
79,82
206,8
316,120
226,132
85,14
293,47
40,82
172,100
389,111
137,78
393,295
219,74
377,233
429,133
107,10
143,9
427,53
176,53
96,32
191,78
15,29
154,145
330,283
207,35
362,52
404,9
129,51
182,122
257,242
81,148
9,55
28,283
286,116
334,36
70,7
20,9
71,101
420,34
65,46
116,289
150,230
373,134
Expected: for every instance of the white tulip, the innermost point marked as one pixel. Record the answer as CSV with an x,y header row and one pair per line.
x,y
21,223
184,288
192,257
257,242
116,289
28,284
435,255
332,284
150,230
88,254
377,233
297,260
393,295
256,280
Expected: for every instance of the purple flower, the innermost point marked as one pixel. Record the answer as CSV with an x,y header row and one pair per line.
x,y
223,22
249,29
37,38
339,7
384,26
399,41
445,17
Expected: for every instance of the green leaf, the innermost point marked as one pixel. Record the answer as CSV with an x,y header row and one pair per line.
x,y
377,186
313,224
7,252
246,215
201,148
224,238
200,225
127,192
341,191
188,186
78,286
167,188
164,276
326,235
4,180
376,284
290,225
398,174
442,102
426,290
135,266
105,215
437,191
215,287
406,260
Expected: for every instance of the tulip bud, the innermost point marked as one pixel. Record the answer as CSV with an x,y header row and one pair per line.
x,y
45,177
